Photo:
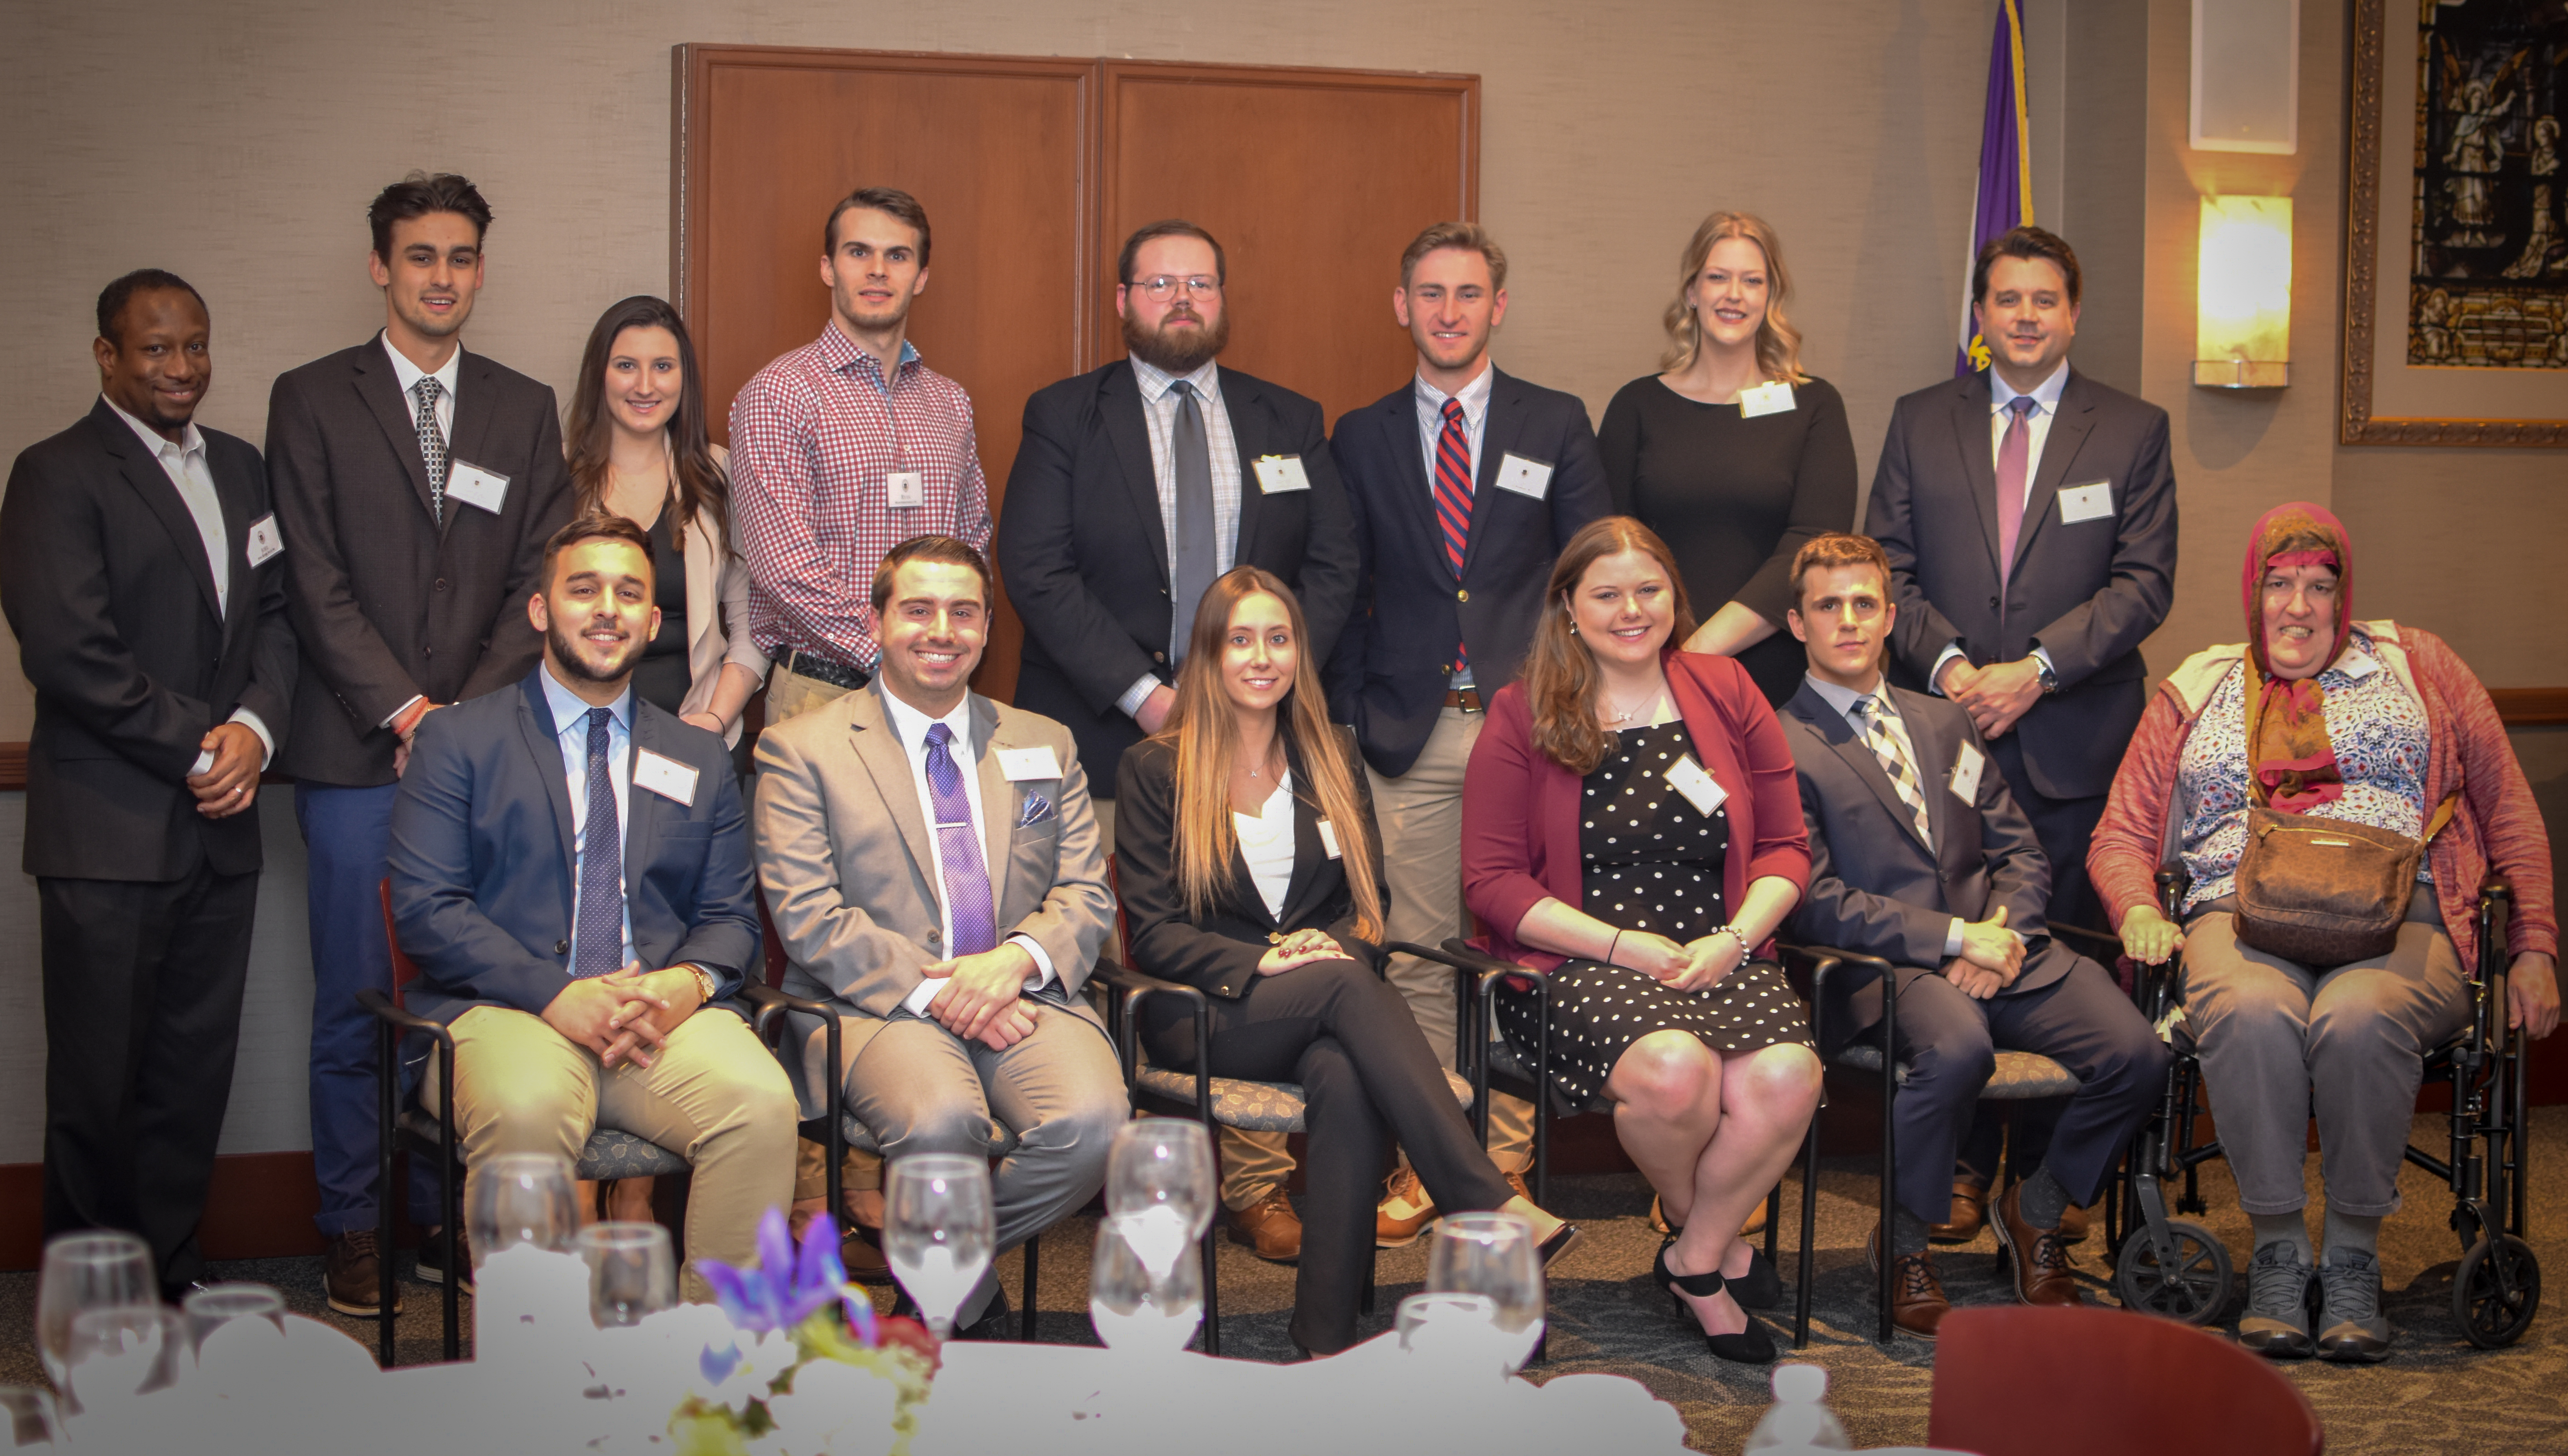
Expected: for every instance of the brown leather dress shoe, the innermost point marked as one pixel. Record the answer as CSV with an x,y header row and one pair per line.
x,y
1405,1210
352,1276
1917,1303
1970,1214
1269,1227
860,1252
2039,1257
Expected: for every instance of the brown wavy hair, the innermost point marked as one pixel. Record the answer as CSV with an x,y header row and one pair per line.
x,y
588,435
1779,344
1560,676
1202,730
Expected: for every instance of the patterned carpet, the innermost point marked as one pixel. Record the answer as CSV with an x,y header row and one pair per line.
x,y
2435,1394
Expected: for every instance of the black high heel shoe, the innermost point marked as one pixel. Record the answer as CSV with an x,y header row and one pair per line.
x,y
1750,1347
1760,1288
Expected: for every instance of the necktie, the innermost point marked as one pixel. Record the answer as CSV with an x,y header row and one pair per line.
x,y
431,443
958,848
1453,496
2014,450
1894,762
600,946
1198,561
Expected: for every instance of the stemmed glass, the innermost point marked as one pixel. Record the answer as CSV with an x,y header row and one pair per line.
x,y
83,1271
119,1353
229,1324
1144,1297
522,1198
939,1231
632,1272
1493,1254
1162,1162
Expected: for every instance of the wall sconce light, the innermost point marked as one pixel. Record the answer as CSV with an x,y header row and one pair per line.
x,y
2243,296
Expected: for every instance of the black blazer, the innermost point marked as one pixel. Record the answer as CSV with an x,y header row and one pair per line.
x,y
1387,676
2089,593
1874,888
1221,954
388,604
104,580
1084,551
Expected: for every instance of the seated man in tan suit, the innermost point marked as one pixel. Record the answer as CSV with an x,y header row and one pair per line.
x,y
933,867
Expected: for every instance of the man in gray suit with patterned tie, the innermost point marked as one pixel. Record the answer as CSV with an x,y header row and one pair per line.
x,y
934,866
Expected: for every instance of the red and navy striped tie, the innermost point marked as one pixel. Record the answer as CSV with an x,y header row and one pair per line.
x,y
1453,496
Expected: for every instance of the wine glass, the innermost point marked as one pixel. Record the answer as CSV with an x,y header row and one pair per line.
x,y
522,1198
216,1305
1162,1162
28,1417
1492,1254
1142,1298
119,1353
632,1272
103,1270
1439,1323
937,1231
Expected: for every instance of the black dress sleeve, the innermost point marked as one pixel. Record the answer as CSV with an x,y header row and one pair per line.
x,y
1620,442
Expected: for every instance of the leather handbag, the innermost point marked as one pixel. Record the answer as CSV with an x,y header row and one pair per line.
x,y
2325,892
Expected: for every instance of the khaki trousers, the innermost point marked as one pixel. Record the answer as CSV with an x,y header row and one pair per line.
x,y
714,1095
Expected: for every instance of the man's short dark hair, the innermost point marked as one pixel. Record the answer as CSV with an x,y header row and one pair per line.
x,y
2025,243
419,194
602,526
952,551
1168,227
891,200
1830,550
112,299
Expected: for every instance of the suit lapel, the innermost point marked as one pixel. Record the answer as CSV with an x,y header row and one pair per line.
x,y
1856,755
1120,405
1970,418
473,409
999,805
236,497
2069,426
1248,438
1398,421
543,746
381,389
1935,758
1498,433
878,748
642,808
1308,855
143,471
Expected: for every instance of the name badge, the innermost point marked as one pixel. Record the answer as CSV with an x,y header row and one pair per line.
x,y
667,778
475,486
1766,399
1329,838
1966,774
1524,476
1024,763
1279,473
1700,788
904,489
2091,501
266,541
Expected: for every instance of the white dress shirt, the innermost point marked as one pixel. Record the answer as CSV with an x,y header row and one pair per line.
x,y
1266,844
1474,400
1159,413
2037,428
1847,703
183,462
570,733
909,727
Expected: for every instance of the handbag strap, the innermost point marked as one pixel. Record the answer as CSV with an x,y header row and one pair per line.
x,y
2442,817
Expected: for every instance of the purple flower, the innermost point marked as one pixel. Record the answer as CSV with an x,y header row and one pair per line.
x,y
784,1290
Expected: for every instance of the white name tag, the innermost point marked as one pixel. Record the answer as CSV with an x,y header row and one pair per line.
x,y
265,540
1024,763
1524,476
667,778
1765,399
473,486
2091,501
1279,473
904,489
1966,774
1701,789
1329,838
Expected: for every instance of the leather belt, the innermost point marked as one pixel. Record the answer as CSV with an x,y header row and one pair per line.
x,y
1465,699
837,674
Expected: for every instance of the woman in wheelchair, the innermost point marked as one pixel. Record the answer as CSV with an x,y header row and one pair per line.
x,y
2367,723
1250,868
1632,827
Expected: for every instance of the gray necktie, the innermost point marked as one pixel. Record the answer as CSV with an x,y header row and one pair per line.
x,y
431,443
1198,559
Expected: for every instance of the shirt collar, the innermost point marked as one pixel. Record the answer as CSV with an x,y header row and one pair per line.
x,y
1472,396
910,725
2046,395
1844,700
840,351
2357,662
154,440
1155,380
410,373
570,709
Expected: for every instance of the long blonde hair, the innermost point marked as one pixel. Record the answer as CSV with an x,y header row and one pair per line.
x,y
1779,344
1206,737
1560,675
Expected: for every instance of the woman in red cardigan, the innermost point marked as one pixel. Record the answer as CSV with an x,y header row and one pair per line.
x,y
1631,825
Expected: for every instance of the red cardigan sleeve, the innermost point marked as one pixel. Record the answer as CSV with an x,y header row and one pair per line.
x,y
1500,830
2511,833
2122,855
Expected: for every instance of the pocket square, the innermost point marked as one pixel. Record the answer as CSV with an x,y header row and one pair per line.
x,y
1038,810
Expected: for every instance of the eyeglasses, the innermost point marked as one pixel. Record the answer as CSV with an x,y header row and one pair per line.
x,y
1158,289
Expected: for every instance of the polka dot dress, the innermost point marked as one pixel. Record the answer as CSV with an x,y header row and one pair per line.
x,y
1651,862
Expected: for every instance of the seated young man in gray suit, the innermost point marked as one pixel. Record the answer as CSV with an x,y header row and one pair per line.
x,y
933,867
1919,855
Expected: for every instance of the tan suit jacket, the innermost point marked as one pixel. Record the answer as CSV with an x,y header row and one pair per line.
x,y
851,875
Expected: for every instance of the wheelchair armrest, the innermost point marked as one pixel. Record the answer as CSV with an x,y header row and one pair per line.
x,y
2096,943
2496,887
381,1008
2174,883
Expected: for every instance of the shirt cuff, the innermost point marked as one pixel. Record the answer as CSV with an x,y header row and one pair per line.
x,y
1953,939
927,989
1136,695
247,719
2044,658
414,698
1935,674
1043,976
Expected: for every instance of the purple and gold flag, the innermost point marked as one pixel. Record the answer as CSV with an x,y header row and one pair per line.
x,y
2005,198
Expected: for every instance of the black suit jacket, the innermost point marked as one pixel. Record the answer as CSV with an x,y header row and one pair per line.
x,y
388,604
1388,674
1085,555
1874,887
1219,954
104,580
2088,591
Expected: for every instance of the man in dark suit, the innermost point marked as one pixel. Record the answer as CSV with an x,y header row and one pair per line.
x,y
552,842
138,567
1462,483
1918,855
417,483
1138,483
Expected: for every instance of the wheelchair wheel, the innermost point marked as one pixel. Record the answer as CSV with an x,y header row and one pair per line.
x,y
2193,1289
2496,1291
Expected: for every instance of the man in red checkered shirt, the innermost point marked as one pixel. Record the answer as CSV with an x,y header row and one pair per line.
x,y
842,449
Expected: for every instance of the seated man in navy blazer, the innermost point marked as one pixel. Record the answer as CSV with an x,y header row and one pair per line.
x,y
1919,855
570,871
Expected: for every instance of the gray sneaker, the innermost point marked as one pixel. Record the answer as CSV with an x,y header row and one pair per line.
x,y
2277,1323
2352,1331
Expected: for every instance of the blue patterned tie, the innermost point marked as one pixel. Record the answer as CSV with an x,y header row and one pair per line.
x,y
967,873
600,949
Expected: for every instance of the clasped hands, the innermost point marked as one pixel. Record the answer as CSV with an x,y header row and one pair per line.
x,y
983,996
229,785
1991,958
1300,947
1696,965
626,1015
1995,695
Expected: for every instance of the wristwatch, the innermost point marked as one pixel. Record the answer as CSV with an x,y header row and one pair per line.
x,y
2050,679
705,986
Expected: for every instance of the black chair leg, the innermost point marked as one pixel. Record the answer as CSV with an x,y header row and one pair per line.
x,y
1212,1289
1372,1272
387,1284
450,1198
1774,1213
1809,1234
1026,1321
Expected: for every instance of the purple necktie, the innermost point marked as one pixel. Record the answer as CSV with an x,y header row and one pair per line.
x,y
958,848
600,946
2013,451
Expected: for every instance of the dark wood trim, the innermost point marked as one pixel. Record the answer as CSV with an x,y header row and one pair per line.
x,y
13,765
2531,707
260,1206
